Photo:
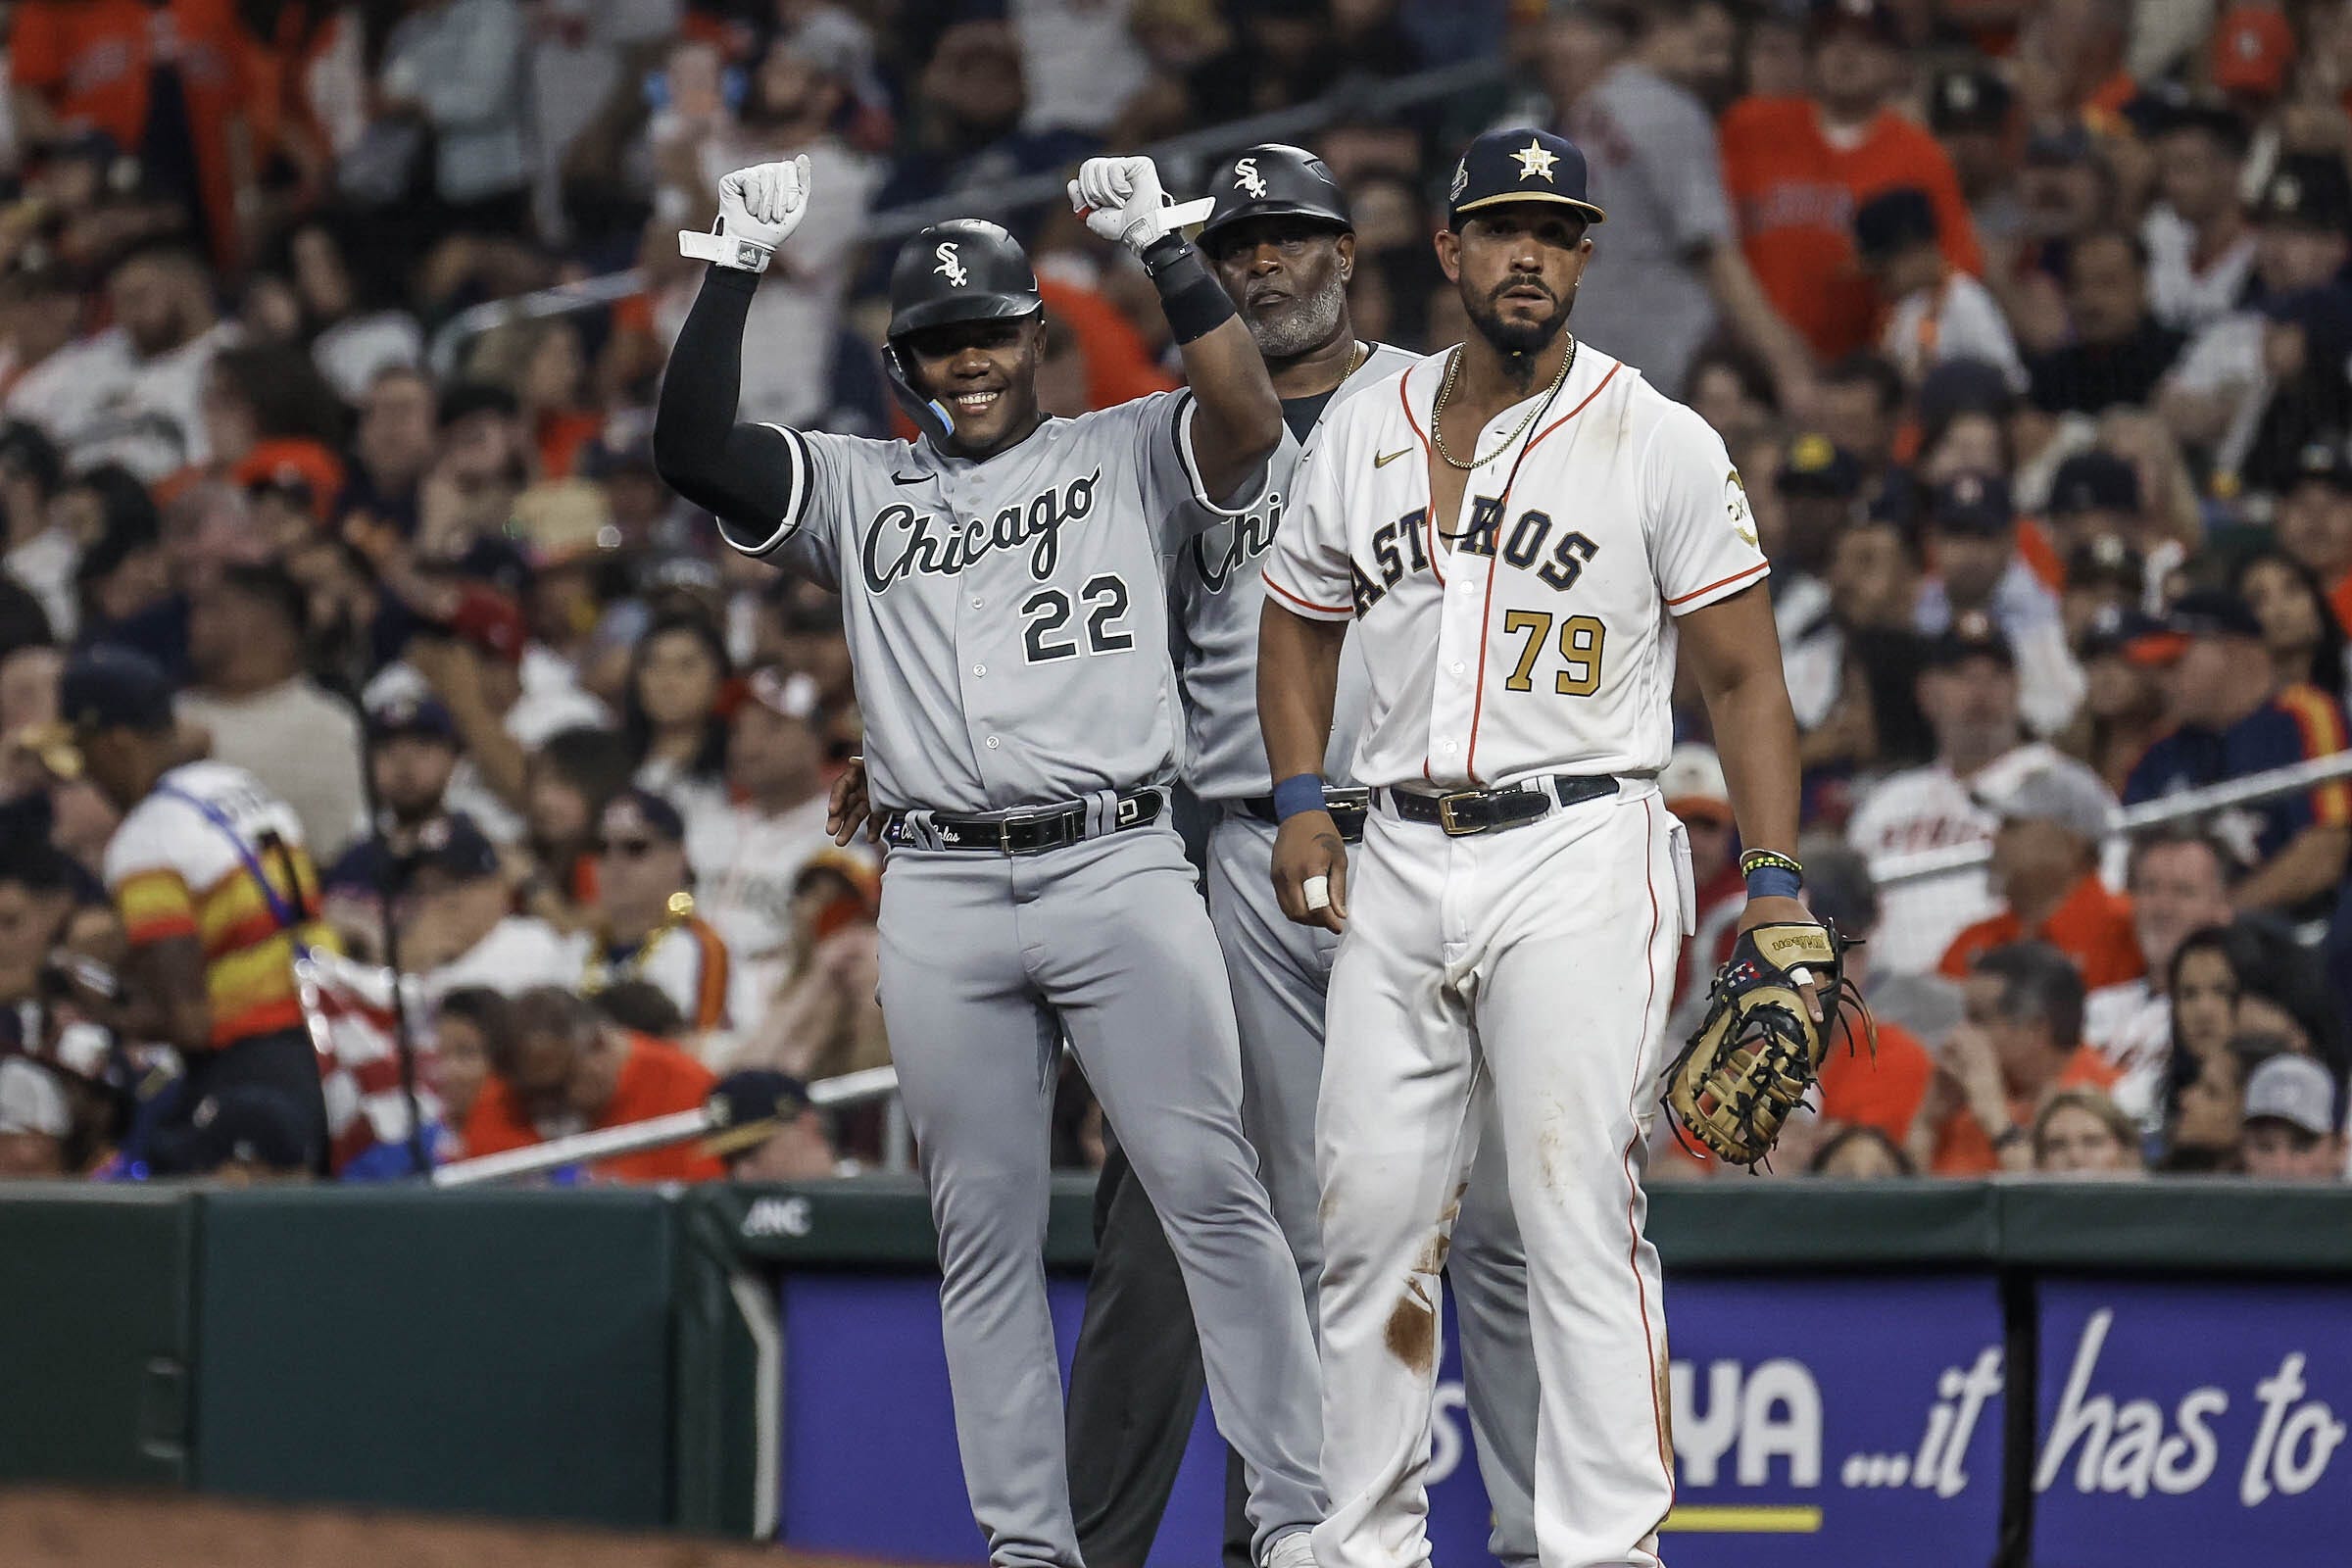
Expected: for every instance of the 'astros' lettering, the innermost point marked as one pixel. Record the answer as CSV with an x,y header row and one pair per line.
x,y
1397,547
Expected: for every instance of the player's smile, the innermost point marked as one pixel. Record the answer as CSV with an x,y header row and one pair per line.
x,y
982,373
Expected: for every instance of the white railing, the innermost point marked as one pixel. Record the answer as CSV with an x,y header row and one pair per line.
x,y
659,1132
1921,866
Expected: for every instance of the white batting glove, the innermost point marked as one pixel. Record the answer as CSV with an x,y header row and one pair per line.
x,y
758,208
1121,199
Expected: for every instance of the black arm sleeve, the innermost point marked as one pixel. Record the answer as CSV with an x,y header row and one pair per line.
x,y
755,478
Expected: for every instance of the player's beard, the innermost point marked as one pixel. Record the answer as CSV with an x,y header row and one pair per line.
x,y
1301,324
1512,338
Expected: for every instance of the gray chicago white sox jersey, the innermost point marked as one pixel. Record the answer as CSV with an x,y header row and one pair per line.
x,y
1007,616
1219,593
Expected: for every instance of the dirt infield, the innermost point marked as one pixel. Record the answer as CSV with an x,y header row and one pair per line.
x,y
59,1528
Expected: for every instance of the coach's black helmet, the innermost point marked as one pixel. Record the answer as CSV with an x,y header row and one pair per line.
x,y
1273,179
967,269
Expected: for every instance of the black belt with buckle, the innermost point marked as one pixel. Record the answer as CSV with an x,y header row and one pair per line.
x,y
1348,808
1468,812
1028,832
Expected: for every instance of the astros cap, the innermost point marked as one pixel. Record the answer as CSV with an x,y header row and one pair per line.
x,y
1525,165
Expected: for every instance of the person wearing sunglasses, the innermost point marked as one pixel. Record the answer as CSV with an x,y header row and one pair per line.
x,y
646,927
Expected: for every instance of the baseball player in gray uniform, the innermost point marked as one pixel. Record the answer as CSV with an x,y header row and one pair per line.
x,y
1005,603
1281,241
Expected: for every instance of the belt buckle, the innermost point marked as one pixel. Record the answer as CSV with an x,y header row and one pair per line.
x,y
1454,827
1004,836
1130,808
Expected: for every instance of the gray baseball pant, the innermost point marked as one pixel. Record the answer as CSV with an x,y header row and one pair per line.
x,y
987,962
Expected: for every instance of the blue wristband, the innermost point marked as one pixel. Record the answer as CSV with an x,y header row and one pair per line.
x,y
1300,792
1774,882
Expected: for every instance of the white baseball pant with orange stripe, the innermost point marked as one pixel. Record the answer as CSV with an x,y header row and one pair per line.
x,y
1532,965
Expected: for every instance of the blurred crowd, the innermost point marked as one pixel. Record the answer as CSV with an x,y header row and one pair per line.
x,y
2026,323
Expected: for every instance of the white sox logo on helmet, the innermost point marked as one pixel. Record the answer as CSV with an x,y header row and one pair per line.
x,y
950,267
1247,177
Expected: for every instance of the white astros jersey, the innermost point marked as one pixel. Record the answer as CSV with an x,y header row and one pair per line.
x,y
1931,807
1218,596
1543,640
1007,617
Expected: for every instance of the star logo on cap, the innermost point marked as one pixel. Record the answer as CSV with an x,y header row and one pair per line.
x,y
2287,192
1961,93
1536,161
1968,490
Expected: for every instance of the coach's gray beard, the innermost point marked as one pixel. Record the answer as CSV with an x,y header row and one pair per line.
x,y
1307,324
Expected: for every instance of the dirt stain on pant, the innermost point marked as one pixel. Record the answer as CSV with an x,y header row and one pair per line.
x,y
1413,1335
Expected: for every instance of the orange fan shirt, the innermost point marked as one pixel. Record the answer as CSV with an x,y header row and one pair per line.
x,y
2091,926
657,1079
1964,1148
1794,194
92,61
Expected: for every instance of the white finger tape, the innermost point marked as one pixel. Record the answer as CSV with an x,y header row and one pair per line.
x,y
1316,889
1801,975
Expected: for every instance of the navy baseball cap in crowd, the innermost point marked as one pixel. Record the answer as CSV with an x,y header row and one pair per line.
x,y
2201,613
2093,481
1968,98
1813,465
746,1109
2107,561
1971,635
2307,190
636,811
1525,165
1892,221
247,1124
1972,503
2323,463
423,716
1963,385
455,848
2117,629
107,687
2059,144
1873,17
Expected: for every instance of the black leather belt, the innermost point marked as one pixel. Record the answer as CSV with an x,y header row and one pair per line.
x,y
1468,812
1348,808
1027,832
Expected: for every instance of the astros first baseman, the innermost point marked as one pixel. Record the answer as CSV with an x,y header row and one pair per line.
x,y
1522,531
1002,593
1281,241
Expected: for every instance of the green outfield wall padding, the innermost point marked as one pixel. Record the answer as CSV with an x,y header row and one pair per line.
x,y
506,1353
95,1334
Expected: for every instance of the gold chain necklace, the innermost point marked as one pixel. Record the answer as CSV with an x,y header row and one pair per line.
x,y
1453,368
1356,361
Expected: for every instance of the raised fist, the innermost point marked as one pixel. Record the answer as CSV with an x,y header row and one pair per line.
x,y
758,208
1121,199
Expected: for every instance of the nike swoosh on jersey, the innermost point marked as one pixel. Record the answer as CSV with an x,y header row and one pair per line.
x,y
1387,458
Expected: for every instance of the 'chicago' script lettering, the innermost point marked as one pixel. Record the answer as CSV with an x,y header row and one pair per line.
x,y
1243,540
901,540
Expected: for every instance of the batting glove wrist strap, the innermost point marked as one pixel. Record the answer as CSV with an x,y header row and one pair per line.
x,y
719,250
1194,302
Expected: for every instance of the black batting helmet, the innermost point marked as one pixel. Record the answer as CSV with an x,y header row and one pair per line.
x,y
967,269
1273,179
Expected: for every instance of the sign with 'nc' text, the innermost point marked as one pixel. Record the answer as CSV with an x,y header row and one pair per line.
x,y
2193,1424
